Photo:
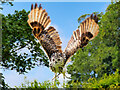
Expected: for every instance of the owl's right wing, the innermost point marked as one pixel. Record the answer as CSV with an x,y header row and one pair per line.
x,y
87,31
49,38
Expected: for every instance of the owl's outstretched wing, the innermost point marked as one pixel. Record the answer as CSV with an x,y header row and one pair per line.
x,y
49,38
87,31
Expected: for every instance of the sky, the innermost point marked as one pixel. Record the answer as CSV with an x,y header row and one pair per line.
x,y
64,17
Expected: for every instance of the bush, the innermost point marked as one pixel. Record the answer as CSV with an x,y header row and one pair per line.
x,y
111,81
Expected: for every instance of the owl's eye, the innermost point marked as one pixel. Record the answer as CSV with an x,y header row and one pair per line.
x,y
58,59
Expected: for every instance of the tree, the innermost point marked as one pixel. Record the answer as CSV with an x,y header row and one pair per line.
x,y
16,38
101,54
5,2
3,85
0,38
106,81
36,84
111,81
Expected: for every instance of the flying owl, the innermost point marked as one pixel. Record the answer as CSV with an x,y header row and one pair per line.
x,y
50,40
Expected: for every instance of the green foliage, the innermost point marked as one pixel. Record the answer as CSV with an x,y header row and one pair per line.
x,y
3,85
36,84
84,61
83,17
110,36
5,2
0,38
111,81
101,55
93,66
16,37
110,25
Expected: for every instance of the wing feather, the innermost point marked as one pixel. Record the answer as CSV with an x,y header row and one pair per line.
x,y
87,31
49,38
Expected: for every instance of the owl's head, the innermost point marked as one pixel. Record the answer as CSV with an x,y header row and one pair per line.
x,y
56,62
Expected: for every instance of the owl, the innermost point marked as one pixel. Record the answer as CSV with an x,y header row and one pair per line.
x,y
49,39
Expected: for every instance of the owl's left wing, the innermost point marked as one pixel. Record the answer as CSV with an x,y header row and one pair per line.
x,y
48,38
50,41
87,31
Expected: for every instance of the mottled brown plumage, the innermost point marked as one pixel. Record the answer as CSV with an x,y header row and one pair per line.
x,y
50,40
87,31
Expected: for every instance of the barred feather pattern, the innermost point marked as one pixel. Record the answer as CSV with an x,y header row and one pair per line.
x,y
38,18
87,31
48,38
49,43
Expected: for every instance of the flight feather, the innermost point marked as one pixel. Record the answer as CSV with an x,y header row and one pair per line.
x,y
48,38
87,31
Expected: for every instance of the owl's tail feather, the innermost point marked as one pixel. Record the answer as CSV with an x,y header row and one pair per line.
x,y
38,19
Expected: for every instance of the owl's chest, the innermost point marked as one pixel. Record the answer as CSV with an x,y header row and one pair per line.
x,y
57,63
